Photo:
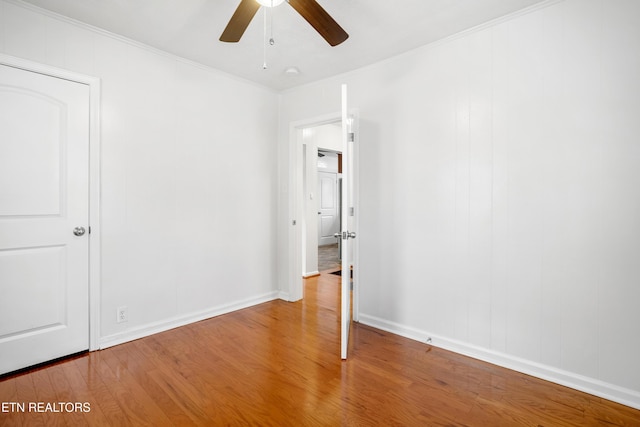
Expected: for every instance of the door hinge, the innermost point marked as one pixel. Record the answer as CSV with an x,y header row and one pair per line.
x,y
352,136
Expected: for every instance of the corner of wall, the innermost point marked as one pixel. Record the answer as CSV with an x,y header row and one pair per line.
x,y
165,325
575,381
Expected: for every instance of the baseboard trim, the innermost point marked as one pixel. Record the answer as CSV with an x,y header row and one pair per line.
x,y
311,274
589,385
283,295
165,325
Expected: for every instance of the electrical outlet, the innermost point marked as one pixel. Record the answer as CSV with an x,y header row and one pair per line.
x,y
122,314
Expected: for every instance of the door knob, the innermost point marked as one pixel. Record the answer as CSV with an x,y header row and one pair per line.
x,y
346,235
79,231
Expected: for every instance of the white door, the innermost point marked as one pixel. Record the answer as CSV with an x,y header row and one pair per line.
x,y
44,196
348,222
328,220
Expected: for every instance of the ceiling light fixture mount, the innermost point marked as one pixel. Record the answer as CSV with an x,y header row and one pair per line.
x,y
292,71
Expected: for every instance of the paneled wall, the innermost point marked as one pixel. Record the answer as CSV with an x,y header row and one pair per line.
x,y
188,175
499,203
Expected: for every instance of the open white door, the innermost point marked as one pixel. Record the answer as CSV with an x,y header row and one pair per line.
x,y
44,214
348,222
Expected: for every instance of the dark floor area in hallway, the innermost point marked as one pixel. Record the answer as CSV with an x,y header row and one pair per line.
x,y
328,258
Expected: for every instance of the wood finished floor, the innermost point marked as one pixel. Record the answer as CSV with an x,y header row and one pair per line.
x,y
277,364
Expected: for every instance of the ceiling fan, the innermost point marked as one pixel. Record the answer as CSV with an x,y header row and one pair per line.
x,y
308,9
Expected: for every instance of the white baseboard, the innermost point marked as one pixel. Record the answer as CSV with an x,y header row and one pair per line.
x,y
589,385
283,295
310,274
165,325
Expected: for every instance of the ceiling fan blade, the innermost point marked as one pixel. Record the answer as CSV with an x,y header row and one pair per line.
x,y
320,20
240,21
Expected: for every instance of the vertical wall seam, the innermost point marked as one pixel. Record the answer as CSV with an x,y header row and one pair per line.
x,y
563,67
468,143
3,31
599,191
492,201
543,217
507,190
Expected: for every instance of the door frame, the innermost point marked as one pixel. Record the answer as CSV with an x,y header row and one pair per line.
x,y
94,179
297,199
297,223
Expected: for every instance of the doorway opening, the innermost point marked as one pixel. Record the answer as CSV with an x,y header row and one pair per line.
x,y
321,195
304,155
329,208
302,149
66,113
304,212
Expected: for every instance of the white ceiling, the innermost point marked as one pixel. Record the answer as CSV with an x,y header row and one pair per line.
x,y
378,29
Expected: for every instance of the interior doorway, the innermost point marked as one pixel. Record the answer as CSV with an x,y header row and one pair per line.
x,y
321,197
300,198
329,208
49,254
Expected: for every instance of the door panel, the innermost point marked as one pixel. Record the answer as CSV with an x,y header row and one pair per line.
x,y
46,282
348,225
44,193
328,223
30,167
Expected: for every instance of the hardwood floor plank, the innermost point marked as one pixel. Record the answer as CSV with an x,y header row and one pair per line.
x,y
9,394
277,364
103,403
173,380
44,380
26,393
80,393
139,407
609,413
168,397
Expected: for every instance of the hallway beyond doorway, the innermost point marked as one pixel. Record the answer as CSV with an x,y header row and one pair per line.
x,y
328,257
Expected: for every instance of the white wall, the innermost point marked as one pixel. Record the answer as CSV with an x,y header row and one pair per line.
x,y
499,202
330,136
188,175
328,163
310,220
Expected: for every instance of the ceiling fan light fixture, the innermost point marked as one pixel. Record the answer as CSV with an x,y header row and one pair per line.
x,y
270,3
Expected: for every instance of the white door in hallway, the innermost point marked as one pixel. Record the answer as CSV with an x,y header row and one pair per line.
x,y
348,223
328,220
44,214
